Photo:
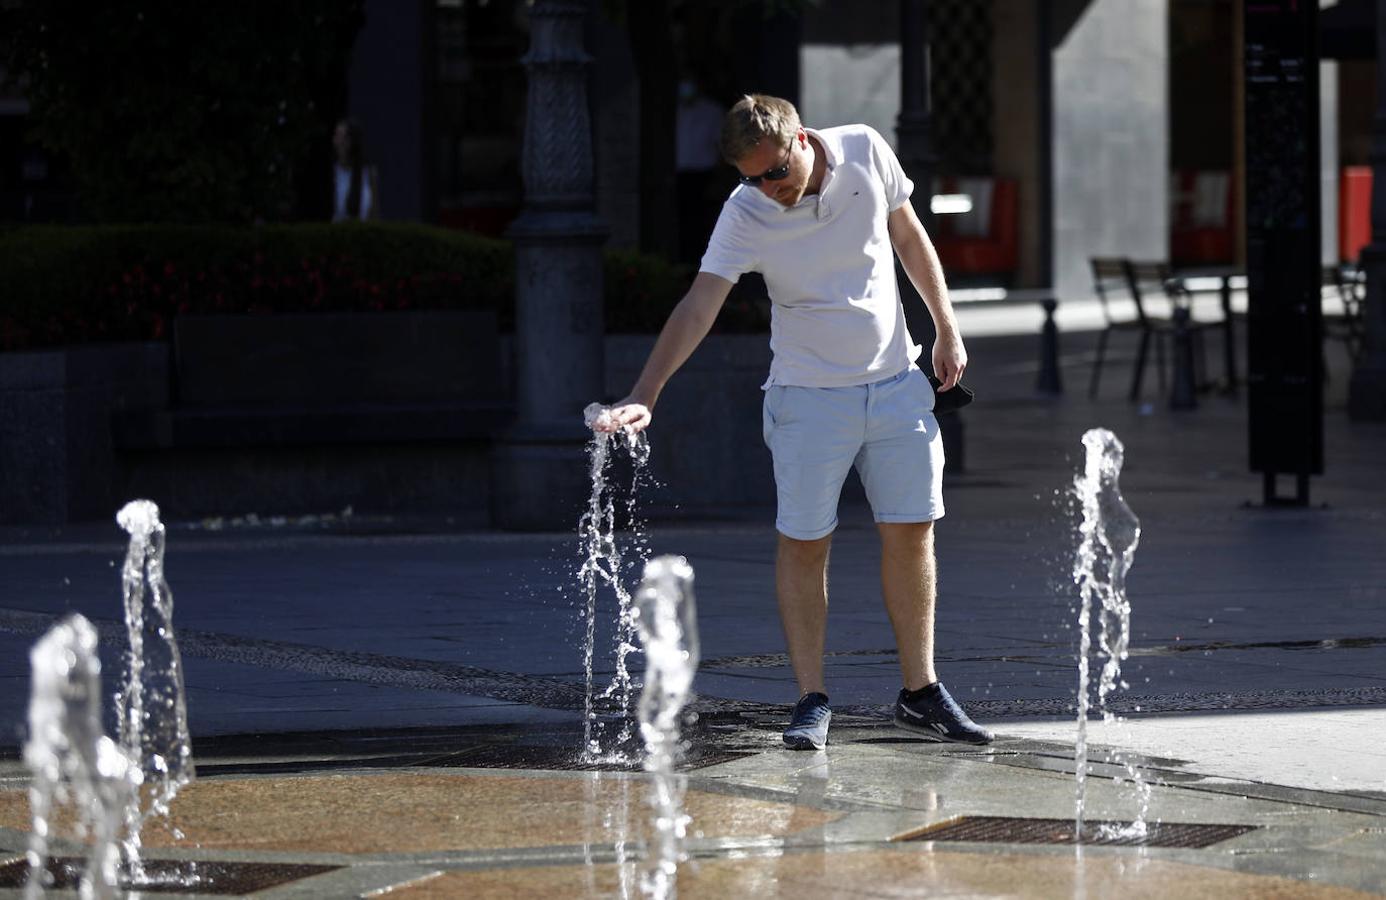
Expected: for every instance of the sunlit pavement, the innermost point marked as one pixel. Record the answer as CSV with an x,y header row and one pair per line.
x,y
399,705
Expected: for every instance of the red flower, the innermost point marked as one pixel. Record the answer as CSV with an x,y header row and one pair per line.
x,y
168,270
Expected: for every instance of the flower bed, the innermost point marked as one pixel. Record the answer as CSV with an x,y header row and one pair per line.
x,y
64,286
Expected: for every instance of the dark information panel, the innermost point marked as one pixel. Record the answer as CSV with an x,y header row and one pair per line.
x,y
1284,320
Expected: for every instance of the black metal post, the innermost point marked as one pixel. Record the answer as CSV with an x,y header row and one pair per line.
x,y
912,126
1367,392
1050,380
1284,281
918,159
1183,392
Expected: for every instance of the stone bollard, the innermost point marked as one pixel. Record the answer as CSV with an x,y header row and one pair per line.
x,y
1049,381
1183,393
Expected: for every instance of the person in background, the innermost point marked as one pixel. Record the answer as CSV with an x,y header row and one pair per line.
x,y
698,124
354,181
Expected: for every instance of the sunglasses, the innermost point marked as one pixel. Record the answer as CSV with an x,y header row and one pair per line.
x,y
779,173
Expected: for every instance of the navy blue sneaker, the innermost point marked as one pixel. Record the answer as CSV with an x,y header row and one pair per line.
x,y
808,729
932,713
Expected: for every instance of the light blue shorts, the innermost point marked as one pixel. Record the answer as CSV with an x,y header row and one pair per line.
x,y
886,429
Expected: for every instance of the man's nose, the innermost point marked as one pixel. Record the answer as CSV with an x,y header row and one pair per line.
x,y
768,187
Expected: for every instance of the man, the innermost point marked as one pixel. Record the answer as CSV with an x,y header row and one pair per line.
x,y
817,214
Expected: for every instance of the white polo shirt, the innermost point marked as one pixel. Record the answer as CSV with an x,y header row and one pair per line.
x,y
836,318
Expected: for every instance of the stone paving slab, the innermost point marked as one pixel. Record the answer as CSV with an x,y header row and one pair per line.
x,y
826,824
320,662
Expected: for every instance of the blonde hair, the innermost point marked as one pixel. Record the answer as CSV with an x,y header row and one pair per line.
x,y
754,118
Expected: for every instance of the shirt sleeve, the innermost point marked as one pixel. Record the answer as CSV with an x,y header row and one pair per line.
x,y
729,252
898,186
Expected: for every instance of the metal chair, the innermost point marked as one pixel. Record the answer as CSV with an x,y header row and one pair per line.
x,y
1109,284
1350,283
1154,279
1139,282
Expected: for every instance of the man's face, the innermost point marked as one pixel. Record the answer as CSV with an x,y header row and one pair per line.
x,y
768,155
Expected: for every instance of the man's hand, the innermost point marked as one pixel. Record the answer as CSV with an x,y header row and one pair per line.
x,y
950,359
627,415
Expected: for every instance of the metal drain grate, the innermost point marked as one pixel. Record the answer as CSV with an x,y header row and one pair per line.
x,y
172,876
1008,830
564,759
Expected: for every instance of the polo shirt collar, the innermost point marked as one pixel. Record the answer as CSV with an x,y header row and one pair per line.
x,y
831,147
832,151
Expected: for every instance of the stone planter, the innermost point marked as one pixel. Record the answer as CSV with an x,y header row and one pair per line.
x,y
707,449
57,464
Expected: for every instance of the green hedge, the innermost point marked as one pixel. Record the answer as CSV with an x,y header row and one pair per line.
x,y
73,285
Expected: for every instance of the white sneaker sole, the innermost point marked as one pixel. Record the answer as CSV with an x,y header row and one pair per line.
x,y
930,733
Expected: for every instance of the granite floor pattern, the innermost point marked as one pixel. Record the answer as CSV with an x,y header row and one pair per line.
x,y
345,686
770,823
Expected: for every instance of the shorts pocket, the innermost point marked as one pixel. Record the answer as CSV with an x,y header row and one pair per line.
x,y
769,410
925,390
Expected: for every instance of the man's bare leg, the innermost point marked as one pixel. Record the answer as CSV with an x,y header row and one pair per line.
x,y
801,586
910,589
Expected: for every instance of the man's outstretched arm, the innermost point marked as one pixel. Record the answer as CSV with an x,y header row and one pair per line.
x,y
921,263
688,324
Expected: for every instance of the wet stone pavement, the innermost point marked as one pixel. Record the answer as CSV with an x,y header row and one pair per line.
x,y
394,709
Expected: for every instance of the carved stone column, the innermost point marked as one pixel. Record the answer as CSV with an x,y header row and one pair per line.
x,y
1367,392
540,479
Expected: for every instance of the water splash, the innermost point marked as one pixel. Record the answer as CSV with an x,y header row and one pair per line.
x,y
1109,533
74,763
666,617
151,709
604,564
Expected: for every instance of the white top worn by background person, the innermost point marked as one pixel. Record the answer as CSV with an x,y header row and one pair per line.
x,y
836,318
698,122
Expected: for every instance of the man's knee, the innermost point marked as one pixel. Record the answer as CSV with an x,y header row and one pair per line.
x,y
799,552
905,529
902,536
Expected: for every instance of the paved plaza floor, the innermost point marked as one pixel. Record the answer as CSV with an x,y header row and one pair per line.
x,y
389,707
